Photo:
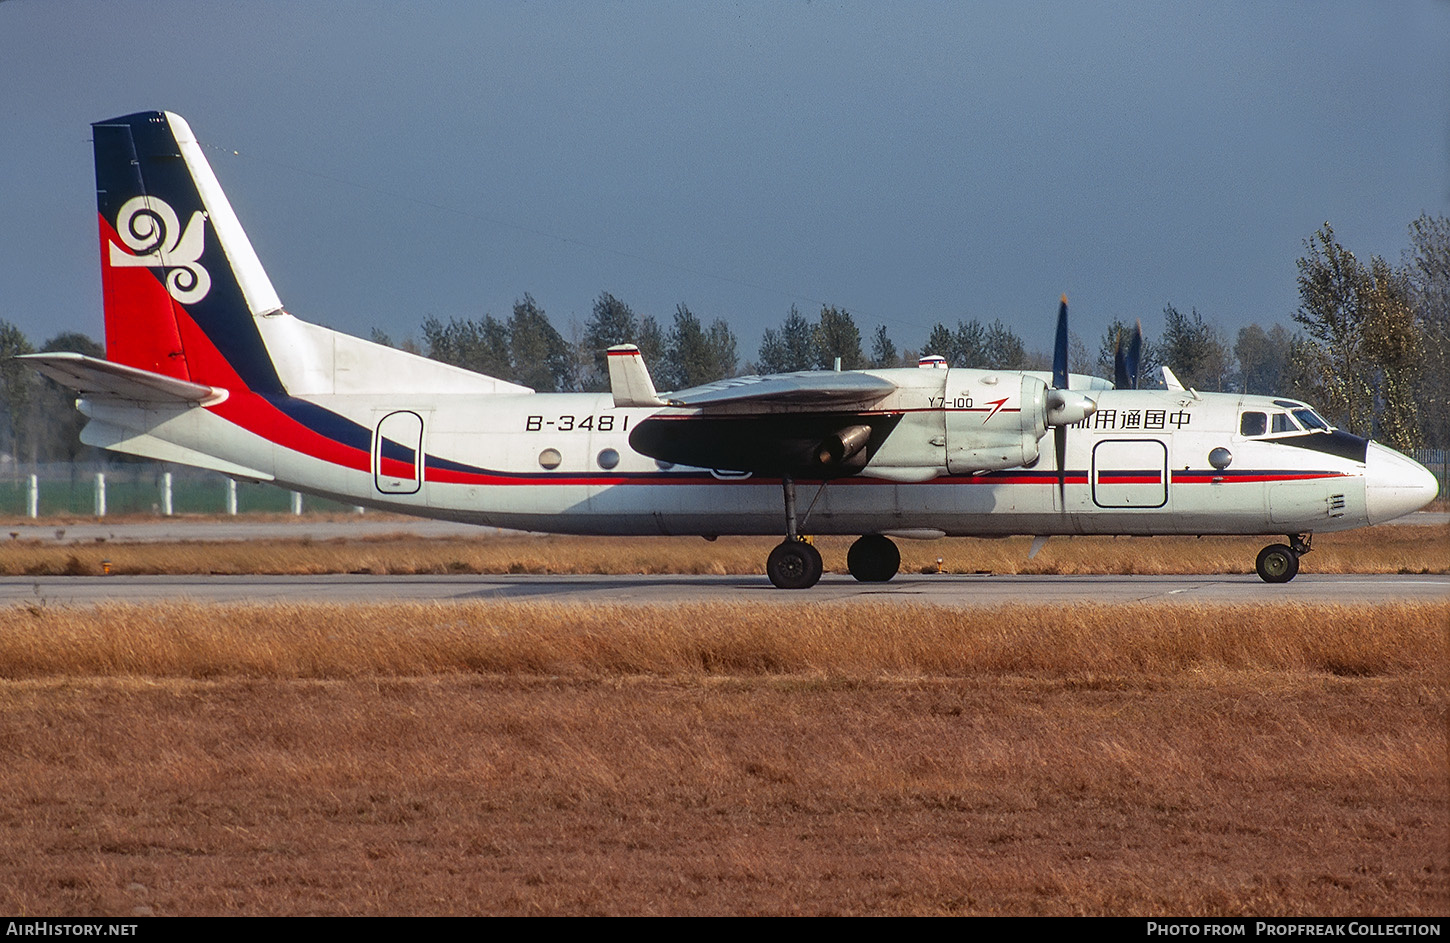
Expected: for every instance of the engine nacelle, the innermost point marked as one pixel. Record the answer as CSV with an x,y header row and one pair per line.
x,y
994,419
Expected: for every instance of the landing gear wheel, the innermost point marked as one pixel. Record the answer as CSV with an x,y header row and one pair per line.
x,y
1277,564
794,565
873,559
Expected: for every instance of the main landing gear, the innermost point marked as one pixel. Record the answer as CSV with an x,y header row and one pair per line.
x,y
1278,563
795,564
873,559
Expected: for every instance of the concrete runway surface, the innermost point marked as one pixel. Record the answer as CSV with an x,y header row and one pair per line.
x,y
158,530
945,590
942,590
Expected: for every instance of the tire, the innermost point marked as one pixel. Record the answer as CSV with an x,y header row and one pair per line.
x,y
873,559
1277,564
794,565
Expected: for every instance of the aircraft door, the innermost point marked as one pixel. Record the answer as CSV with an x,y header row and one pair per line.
x,y
398,453
1130,473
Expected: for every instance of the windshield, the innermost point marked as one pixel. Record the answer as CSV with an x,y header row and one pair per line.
x,y
1282,423
1310,420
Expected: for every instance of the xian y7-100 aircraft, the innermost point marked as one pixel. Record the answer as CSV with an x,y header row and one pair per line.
x,y
204,367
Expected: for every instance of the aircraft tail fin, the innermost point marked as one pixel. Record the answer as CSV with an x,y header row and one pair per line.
x,y
186,296
181,284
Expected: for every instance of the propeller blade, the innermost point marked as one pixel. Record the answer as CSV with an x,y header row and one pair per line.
x,y
1059,382
1059,349
1135,356
1059,439
1120,366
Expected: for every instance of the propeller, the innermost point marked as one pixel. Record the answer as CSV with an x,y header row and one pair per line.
x,y
1063,408
1127,364
1059,382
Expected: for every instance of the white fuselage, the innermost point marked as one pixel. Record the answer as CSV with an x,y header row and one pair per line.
x,y
563,463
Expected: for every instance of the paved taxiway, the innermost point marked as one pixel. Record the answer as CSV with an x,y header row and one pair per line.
x,y
943,590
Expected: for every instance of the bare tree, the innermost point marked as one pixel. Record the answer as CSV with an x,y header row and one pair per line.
x,y
1362,350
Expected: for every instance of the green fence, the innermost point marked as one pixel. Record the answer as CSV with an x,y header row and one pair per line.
x,y
138,488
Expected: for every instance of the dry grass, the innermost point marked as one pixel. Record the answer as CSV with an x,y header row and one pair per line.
x,y
1389,549
330,641
515,759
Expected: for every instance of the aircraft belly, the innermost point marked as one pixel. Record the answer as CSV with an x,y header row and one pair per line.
x,y
757,507
852,507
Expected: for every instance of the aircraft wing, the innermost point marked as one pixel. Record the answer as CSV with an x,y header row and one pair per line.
x,y
90,376
812,422
630,382
811,389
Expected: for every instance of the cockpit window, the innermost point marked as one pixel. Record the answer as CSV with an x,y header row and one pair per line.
x,y
1310,420
1255,423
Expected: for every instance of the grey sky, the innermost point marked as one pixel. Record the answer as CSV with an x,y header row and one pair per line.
x,y
909,162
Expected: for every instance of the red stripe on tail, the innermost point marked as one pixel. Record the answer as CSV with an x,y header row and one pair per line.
x,y
140,321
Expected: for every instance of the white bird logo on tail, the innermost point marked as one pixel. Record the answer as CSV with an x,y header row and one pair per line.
x,y
150,229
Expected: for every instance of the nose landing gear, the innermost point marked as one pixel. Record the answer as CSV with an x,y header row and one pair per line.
x,y
1278,563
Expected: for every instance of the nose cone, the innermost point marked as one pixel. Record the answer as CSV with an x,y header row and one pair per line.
x,y
1395,484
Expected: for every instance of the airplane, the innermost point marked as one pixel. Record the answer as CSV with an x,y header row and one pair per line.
x,y
205,367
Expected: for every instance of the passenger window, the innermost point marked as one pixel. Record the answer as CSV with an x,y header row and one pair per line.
x,y
1253,424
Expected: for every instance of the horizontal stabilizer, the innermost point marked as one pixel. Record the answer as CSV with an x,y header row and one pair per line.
x,y
105,435
90,376
808,389
629,378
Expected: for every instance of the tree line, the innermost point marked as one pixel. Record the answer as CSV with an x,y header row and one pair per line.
x,y
38,418
1370,349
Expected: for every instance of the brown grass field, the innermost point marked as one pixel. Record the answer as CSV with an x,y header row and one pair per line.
x,y
1385,549
720,759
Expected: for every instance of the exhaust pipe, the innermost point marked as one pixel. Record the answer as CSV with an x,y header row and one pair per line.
x,y
837,448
